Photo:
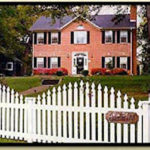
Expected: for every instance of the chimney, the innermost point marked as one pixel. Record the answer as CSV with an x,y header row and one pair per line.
x,y
133,13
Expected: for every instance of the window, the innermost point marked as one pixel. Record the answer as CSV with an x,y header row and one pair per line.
x,y
123,36
109,62
80,37
80,27
9,66
54,37
123,62
40,38
54,62
108,36
40,62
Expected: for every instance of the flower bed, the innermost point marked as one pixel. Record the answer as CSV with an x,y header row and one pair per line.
x,y
52,71
119,71
105,71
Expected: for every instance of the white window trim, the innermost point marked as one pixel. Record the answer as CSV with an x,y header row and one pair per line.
x,y
111,36
12,67
126,37
37,38
85,37
126,62
57,38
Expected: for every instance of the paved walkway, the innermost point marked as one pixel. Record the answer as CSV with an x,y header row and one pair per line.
x,y
35,90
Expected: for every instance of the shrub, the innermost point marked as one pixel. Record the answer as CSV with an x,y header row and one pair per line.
x,y
98,71
59,73
85,72
51,71
108,72
104,71
119,71
41,71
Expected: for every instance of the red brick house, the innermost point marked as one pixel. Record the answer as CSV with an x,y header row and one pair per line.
x,y
83,45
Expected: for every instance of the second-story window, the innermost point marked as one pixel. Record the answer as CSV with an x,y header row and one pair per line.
x,y
54,37
80,37
108,36
123,36
40,38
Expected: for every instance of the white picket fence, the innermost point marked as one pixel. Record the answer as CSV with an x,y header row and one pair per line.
x,y
72,114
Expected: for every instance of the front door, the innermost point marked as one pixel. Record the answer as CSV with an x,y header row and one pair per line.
x,y
80,64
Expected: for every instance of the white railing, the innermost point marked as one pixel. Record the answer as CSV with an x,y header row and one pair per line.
x,y
73,113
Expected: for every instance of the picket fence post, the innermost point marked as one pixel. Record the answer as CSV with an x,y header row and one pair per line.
x,y
146,122
30,118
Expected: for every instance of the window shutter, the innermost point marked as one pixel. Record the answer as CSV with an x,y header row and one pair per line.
x,y
118,36
49,37
128,67
59,37
103,36
113,36
59,63
113,62
88,37
118,62
31,38
44,62
49,62
35,62
45,37
35,38
72,37
128,36
103,62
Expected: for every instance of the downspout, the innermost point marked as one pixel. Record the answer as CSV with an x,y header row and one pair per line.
x,y
32,52
131,53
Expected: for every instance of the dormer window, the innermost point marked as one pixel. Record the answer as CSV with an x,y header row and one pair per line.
x,y
40,38
108,36
54,37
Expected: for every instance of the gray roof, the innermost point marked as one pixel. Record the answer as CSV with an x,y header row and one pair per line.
x,y
103,21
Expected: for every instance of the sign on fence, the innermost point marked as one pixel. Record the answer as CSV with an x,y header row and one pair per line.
x,y
122,117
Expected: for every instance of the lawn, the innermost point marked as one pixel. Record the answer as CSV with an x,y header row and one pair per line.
x,y
21,83
136,86
3,140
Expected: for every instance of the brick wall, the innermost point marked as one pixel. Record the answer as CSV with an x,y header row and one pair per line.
x,y
95,48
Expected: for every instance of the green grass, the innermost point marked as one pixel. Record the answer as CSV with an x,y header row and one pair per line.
x,y
3,140
21,83
134,86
